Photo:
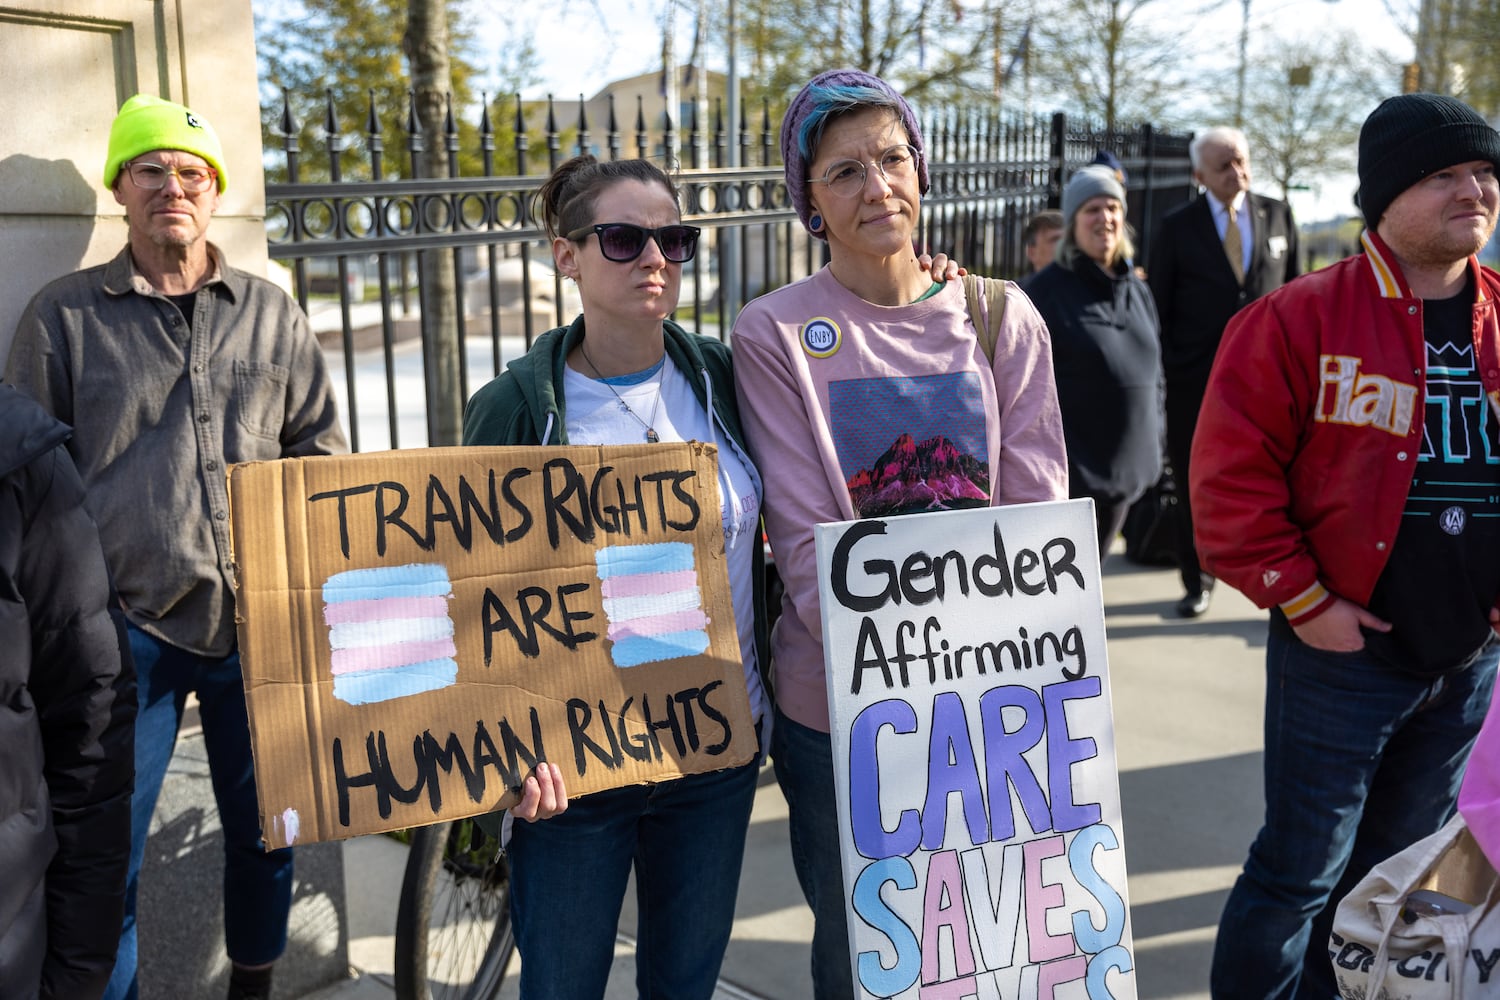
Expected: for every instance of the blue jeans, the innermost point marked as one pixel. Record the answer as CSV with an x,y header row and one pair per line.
x,y
257,884
1361,761
804,767
686,841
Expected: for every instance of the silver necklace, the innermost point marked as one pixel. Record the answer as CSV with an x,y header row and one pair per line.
x,y
651,435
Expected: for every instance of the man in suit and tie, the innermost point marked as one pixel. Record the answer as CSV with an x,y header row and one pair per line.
x,y
1208,259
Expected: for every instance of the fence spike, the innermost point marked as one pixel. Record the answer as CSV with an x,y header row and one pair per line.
x,y
554,138
583,127
289,125
642,140
765,132
670,159
486,132
616,144
523,141
450,127
374,139
332,137
330,114
720,137
413,123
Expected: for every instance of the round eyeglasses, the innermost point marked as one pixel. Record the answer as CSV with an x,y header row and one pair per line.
x,y
846,178
153,177
623,241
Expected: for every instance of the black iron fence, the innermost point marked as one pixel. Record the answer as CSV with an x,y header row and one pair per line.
x,y
354,245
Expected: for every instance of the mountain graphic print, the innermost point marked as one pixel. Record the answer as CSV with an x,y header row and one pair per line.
x,y
911,477
911,444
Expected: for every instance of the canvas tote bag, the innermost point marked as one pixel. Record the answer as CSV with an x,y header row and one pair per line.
x,y
1399,936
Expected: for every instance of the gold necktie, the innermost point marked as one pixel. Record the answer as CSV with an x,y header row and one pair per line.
x,y
1233,249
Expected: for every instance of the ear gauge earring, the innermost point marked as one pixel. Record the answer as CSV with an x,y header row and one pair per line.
x,y
815,223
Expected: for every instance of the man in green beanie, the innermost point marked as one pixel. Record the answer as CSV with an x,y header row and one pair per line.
x,y
1345,471
171,365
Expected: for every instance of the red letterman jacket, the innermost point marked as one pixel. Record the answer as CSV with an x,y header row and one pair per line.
x,y
1309,433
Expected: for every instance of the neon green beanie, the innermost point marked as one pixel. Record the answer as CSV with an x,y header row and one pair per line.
x,y
147,123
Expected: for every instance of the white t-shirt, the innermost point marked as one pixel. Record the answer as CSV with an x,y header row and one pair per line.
x,y
666,402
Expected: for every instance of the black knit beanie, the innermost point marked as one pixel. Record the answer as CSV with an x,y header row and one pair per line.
x,y
1411,135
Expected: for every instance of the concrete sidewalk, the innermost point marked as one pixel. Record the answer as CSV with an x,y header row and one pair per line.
x,y
1188,698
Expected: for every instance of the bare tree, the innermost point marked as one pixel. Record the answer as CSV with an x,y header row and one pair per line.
x,y
1117,60
1306,100
930,49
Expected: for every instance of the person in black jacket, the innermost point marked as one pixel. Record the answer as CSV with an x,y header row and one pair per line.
x,y
1106,352
1198,288
67,723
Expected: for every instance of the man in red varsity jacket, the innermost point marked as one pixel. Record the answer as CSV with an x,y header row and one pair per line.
x,y
1346,476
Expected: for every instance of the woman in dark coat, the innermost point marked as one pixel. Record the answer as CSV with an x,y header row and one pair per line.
x,y
67,723
1106,352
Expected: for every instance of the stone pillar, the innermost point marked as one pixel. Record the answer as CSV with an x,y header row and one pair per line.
x,y
77,61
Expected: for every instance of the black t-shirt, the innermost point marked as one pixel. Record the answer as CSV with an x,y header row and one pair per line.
x,y
1444,571
185,305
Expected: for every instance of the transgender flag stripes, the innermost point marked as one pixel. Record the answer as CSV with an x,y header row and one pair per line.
x,y
652,602
390,632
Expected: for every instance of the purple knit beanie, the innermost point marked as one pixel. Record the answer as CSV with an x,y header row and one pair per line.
x,y
821,95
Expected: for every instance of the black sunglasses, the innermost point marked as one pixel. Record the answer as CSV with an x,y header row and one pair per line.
x,y
623,241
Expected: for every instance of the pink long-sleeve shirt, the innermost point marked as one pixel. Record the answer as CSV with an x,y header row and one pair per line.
x,y
857,410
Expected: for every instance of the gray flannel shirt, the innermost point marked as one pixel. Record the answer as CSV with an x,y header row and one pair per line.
x,y
161,405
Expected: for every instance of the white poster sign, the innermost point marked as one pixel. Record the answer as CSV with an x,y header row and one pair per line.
x,y
973,744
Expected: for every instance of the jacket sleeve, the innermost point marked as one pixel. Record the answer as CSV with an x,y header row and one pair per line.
x,y
780,430
311,425
36,363
1033,459
83,683
1257,403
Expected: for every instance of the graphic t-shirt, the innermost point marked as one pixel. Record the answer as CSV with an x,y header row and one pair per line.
x,y
1444,570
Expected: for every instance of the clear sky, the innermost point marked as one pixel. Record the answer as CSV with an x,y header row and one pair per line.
x,y
584,44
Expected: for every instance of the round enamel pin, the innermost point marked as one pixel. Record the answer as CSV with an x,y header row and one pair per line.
x,y
821,337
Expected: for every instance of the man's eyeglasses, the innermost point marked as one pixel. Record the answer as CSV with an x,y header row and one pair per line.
x,y
846,178
153,177
622,241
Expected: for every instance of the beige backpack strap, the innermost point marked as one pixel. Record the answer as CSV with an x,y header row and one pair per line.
x,y
986,298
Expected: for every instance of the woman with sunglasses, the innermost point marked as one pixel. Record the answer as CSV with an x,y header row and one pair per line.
x,y
624,373
865,393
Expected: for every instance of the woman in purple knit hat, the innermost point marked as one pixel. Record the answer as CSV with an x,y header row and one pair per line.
x,y
851,379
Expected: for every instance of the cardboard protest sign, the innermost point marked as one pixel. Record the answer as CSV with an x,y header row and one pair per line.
x,y
973,745
419,628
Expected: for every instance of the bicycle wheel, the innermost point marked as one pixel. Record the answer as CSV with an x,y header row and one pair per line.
x,y
453,933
